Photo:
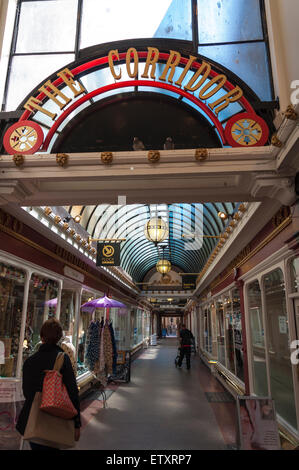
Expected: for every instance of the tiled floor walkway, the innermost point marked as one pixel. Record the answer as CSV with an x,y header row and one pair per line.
x,y
161,408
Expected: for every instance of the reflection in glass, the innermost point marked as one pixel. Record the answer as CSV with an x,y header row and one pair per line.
x,y
238,341
11,304
119,322
67,314
42,305
278,346
295,275
85,319
207,331
229,334
257,339
220,332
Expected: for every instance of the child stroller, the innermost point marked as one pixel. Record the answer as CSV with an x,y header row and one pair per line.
x,y
176,361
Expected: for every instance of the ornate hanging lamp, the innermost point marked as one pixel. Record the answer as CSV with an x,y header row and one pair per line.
x,y
164,265
156,230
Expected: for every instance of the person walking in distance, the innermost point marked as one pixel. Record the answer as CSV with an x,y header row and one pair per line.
x,y
186,338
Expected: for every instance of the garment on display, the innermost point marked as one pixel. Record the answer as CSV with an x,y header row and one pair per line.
x,y
101,350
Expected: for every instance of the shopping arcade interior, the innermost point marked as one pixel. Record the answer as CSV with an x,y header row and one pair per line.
x,y
263,176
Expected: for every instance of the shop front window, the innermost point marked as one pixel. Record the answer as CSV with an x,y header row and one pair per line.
x,y
85,319
220,332
136,327
119,319
139,326
280,366
207,331
42,305
257,339
295,275
229,334
11,304
238,341
146,324
67,315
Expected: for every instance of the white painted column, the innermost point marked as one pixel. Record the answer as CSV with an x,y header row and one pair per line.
x,y
23,324
282,21
58,308
78,294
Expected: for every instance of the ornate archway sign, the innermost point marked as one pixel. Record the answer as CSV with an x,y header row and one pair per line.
x,y
195,81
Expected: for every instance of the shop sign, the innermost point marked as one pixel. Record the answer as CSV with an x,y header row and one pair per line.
x,y
73,274
283,328
189,282
108,254
197,81
258,428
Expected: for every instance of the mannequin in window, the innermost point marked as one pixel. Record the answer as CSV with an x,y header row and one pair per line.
x,y
70,350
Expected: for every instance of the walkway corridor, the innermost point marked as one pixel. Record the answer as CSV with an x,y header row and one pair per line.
x,y
161,408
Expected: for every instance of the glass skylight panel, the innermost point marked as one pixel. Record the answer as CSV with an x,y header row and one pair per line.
x,y
229,20
111,20
248,61
47,26
25,74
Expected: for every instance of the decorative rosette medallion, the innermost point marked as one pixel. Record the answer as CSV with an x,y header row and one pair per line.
x,y
246,130
23,137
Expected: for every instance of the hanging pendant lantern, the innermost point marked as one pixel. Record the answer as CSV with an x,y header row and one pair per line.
x,y
156,230
163,266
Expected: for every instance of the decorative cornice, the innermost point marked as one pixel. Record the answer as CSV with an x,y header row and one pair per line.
x,y
62,159
53,255
247,253
107,157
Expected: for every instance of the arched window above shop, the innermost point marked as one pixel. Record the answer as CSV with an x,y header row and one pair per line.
x,y
50,34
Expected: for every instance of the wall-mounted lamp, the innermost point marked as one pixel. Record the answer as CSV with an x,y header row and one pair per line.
x,y
76,219
224,215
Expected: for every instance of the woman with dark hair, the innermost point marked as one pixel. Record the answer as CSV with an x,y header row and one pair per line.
x,y
34,372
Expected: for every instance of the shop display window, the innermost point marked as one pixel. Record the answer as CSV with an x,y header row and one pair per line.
x,y
67,314
280,366
207,331
238,340
136,327
119,318
295,275
220,332
12,281
229,333
42,305
85,319
147,324
257,338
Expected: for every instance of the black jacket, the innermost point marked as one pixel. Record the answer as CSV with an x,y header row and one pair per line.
x,y
186,337
33,377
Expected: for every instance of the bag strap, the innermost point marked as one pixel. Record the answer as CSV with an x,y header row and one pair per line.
x,y
59,361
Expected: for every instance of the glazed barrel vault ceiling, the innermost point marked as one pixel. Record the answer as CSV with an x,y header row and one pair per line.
x,y
139,255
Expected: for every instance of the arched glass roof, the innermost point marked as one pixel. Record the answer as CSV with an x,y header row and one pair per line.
x,y
185,248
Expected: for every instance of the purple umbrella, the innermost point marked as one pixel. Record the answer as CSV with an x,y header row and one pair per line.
x,y
51,302
103,302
